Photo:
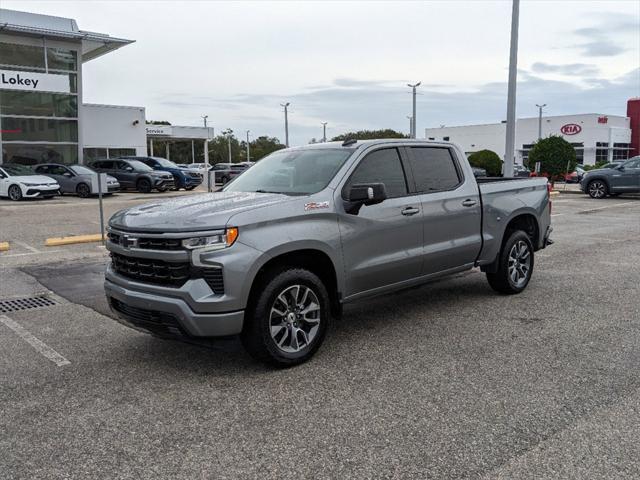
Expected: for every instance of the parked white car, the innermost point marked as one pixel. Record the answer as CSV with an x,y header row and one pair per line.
x,y
19,181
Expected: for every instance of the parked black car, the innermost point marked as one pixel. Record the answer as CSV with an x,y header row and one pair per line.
x,y
133,174
182,178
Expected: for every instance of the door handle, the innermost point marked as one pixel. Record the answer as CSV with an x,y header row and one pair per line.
x,y
469,203
410,211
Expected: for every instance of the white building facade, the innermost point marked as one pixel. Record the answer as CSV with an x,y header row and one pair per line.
x,y
595,137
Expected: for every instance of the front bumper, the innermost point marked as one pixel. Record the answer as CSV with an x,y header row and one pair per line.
x,y
163,183
172,316
114,187
35,192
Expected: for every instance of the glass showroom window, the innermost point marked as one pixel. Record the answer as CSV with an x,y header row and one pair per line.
x,y
39,130
620,151
34,153
601,152
579,148
90,154
62,59
21,55
13,102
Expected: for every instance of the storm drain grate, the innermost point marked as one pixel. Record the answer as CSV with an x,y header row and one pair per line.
x,y
27,303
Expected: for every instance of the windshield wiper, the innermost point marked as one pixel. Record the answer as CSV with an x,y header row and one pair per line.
x,y
268,191
294,194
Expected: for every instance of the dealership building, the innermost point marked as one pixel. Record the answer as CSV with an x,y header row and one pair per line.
x,y
595,137
42,114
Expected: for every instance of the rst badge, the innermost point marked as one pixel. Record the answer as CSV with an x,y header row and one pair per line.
x,y
315,206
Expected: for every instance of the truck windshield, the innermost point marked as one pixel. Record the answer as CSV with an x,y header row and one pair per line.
x,y
292,172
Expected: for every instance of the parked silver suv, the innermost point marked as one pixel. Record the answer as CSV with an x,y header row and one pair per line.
x,y
275,255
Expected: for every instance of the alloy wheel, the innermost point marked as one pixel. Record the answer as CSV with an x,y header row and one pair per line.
x,y
597,189
295,318
519,263
14,193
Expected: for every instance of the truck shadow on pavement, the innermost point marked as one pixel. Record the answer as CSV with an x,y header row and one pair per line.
x,y
390,318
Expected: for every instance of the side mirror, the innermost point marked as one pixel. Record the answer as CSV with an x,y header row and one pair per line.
x,y
67,174
368,193
128,169
621,168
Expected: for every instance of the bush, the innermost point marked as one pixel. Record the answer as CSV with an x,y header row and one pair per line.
x,y
556,156
487,159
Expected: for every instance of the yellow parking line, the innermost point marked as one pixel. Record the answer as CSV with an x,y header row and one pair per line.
x,y
52,242
553,193
4,246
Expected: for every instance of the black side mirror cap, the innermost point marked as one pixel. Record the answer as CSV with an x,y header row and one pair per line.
x,y
368,193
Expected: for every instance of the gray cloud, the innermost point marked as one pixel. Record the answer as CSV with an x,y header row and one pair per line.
x,y
570,69
600,48
598,39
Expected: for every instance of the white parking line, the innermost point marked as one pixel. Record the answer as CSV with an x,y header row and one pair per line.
x,y
41,347
28,247
39,252
609,206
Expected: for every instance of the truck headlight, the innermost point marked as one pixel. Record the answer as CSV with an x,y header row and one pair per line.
x,y
218,241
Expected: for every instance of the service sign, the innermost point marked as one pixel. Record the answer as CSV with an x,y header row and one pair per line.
x,y
159,129
34,82
570,129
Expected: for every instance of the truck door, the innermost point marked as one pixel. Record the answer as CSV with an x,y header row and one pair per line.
x,y
451,208
382,243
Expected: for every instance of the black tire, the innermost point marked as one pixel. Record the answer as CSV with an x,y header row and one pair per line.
x,y
188,189
15,193
614,194
597,189
502,280
83,190
143,185
257,336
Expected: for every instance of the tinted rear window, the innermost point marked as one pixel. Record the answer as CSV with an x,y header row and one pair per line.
x,y
434,169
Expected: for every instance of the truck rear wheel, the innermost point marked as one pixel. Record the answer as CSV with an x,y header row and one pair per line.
x,y
287,321
515,265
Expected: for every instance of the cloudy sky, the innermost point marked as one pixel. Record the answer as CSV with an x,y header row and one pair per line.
x,y
347,63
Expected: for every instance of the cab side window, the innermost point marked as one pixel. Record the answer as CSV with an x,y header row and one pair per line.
x,y
57,170
381,166
42,169
434,169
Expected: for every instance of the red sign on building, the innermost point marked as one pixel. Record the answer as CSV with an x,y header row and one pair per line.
x,y
570,129
603,119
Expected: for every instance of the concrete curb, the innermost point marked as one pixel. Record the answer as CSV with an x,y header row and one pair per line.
x,y
54,242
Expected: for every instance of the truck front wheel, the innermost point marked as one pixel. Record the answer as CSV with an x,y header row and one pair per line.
x,y
287,321
515,265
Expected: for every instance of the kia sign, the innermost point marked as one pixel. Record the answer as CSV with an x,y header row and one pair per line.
x,y
40,82
570,129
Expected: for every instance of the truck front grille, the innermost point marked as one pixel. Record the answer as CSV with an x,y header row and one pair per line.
x,y
147,270
160,323
146,243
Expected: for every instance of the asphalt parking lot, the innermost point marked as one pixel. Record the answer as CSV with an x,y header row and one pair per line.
x,y
448,380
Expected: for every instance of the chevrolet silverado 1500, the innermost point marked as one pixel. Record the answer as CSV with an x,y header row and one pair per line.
x,y
275,254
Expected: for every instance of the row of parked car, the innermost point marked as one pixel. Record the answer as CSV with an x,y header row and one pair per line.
x,y
144,174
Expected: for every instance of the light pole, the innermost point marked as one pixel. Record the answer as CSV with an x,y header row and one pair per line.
x,y
413,117
286,123
204,117
540,107
228,132
248,148
324,132
510,144
410,126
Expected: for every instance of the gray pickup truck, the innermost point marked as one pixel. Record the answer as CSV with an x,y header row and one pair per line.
x,y
275,254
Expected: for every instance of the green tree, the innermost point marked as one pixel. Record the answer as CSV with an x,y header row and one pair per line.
x,y
263,146
556,156
219,149
370,135
487,159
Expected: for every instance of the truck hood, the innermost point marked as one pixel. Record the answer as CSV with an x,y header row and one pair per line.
x,y
208,211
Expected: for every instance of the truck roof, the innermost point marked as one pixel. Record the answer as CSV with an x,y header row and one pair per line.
x,y
367,143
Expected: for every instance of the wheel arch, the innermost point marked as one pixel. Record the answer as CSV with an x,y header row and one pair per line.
x,y
524,220
311,258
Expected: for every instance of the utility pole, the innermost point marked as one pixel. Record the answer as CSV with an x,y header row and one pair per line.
x,y
413,117
410,126
510,144
324,132
286,123
248,148
204,117
540,107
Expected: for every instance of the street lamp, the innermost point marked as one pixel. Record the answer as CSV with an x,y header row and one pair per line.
x,y
510,145
228,133
204,117
413,118
248,148
540,107
324,132
286,123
